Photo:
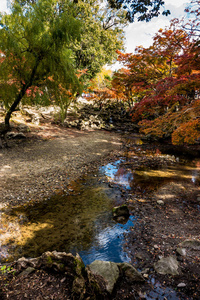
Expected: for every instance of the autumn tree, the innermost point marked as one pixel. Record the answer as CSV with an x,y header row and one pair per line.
x,y
35,44
100,88
170,109
163,80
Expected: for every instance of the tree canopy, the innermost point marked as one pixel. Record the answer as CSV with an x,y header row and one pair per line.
x,y
164,80
47,45
35,43
143,10
101,35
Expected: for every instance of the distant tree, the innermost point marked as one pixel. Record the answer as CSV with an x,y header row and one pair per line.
x,y
192,21
34,41
101,35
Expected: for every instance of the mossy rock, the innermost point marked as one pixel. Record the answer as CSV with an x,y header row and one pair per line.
x,y
120,211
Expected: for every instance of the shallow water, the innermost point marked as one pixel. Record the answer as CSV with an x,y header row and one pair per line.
x,y
79,222
118,174
147,177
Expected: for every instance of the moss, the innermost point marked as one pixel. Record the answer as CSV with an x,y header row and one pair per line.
x,y
49,260
80,267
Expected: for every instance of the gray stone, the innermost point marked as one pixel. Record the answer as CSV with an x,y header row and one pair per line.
x,y
131,274
168,265
108,270
181,285
181,251
33,114
16,136
27,271
192,244
23,128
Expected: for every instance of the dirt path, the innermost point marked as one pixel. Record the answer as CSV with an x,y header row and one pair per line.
x,y
49,159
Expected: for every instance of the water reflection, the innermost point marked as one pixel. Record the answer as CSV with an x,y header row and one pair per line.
x,y
129,175
108,242
80,222
160,293
118,174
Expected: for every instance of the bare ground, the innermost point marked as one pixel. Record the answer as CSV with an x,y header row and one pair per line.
x,y
48,159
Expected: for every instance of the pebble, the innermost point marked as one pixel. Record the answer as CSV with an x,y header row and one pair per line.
x,y
181,285
181,251
160,202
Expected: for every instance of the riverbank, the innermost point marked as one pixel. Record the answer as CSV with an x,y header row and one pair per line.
x,y
49,158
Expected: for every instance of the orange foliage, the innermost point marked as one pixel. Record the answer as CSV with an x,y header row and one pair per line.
x,y
164,81
188,133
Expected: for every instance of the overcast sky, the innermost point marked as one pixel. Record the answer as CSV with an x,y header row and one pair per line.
x,y
141,33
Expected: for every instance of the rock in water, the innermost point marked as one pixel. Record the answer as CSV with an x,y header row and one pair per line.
x,y
119,211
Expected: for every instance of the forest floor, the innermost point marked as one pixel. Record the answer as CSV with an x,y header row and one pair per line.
x,y
48,159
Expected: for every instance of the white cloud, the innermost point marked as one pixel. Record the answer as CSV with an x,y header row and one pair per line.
x,y
3,5
141,33
175,2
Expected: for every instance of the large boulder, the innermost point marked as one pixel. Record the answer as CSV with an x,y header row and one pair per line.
x,y
84,282
167,265
15,135
109,271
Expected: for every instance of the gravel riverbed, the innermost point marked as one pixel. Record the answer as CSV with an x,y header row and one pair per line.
x,y
49,159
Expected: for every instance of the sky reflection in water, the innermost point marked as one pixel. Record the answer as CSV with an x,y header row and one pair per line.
x,y
108,242
117,174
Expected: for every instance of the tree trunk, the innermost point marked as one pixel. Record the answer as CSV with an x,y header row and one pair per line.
x,y
14,105
21,94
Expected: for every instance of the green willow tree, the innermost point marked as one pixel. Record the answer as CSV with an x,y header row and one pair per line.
x,y
101,35
34,41
143,10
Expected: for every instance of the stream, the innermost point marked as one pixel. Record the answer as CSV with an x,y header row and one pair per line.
x,y
81,219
